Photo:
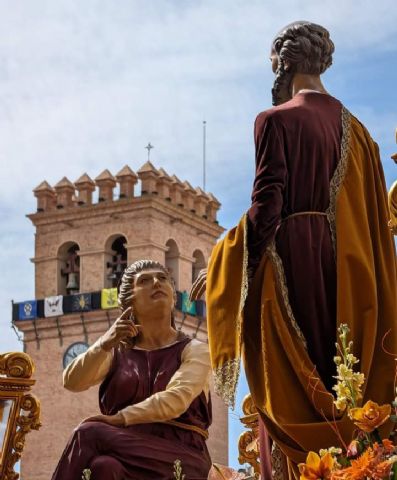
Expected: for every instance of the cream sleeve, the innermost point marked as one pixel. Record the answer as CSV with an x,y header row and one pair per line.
x,y
186,384
87,369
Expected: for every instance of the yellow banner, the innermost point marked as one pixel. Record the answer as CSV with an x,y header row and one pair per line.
x,y
109,298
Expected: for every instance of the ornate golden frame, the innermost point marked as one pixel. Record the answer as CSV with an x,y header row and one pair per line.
x,y
16,370
248,442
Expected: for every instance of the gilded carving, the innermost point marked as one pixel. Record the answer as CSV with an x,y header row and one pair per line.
x,y
16,364
248,445
19,409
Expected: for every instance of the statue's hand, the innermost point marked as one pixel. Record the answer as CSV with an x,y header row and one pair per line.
x,y
122,328
116,420
199,285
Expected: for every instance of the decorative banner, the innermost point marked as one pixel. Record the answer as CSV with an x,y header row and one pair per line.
x,y
81,302
109,298
201,309
28,310
53,306
188,306
178,304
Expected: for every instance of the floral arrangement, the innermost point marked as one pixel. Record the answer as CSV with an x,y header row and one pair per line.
x,y
368,457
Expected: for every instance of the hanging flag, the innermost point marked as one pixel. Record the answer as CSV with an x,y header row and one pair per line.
x,y
188,306
28,310
178,304
109,298
81,302
53,306
201,308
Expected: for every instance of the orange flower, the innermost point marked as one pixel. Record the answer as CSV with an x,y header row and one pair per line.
x,y
316,468
388,445
382,470
370,416
360,468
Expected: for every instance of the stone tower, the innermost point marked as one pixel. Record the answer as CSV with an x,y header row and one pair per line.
x,y
86,233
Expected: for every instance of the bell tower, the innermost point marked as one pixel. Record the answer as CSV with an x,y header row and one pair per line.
x,y
87,232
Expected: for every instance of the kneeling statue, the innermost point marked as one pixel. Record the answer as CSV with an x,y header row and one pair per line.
x,y
153,394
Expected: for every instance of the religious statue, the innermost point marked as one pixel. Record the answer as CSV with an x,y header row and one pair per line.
x,y
313,252
153,394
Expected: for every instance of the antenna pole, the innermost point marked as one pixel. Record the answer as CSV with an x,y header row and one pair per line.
x,y
204,152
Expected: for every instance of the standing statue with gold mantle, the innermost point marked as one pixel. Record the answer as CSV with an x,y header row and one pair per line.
x,y
313,252
19,410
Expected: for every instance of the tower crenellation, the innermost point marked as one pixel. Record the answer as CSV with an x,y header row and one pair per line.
x,y
149,177
177,191
127,180
188,197
165,185
85,186
213,207
106,184
66,195
46,197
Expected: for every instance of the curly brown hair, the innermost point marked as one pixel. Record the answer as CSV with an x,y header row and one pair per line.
x,y
307,48
126,286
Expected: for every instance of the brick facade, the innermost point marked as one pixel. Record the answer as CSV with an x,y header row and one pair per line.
x,y
154,227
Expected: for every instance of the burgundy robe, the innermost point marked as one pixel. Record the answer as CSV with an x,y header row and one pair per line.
x,y
143,451
298,147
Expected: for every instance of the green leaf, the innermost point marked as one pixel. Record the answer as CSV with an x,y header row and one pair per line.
x,y
393,418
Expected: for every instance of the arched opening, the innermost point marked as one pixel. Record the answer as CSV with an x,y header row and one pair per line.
x,y
172,260
116,260
198,264
68,269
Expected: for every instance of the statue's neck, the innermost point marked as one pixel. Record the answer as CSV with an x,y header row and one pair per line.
x,y
302,81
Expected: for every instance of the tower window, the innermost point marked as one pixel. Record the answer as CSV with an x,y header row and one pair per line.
x,y
117,261
69,278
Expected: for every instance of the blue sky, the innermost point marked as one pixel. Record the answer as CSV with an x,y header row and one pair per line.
x,y
85,85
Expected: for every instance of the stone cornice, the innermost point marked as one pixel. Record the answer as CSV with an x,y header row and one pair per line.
x,y
118,208
131,246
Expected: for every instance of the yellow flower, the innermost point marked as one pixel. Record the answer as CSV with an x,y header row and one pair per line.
x,y
316,468
370,416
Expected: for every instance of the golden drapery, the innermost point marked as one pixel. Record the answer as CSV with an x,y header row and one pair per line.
x,y
297,410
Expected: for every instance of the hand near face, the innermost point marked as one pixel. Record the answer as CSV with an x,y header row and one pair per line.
x,y
199,285
122,328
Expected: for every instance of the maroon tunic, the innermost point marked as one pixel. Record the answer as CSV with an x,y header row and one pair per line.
x,y
298,147
143,451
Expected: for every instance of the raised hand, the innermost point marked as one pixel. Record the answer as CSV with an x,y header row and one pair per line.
x,y
121,329
199,285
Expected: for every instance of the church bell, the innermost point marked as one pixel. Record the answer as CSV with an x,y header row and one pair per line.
x,y
72,282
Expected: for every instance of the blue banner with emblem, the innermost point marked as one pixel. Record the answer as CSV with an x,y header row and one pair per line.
x,y
81,302
27,310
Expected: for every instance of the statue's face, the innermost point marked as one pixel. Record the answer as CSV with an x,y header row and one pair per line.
x,y
152,291
274,60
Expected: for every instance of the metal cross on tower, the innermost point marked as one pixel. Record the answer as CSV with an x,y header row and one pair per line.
x,y
148,147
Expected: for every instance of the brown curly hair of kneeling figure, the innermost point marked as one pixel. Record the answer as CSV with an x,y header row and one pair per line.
x,y
126,286
301,47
